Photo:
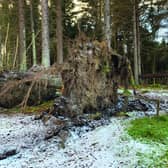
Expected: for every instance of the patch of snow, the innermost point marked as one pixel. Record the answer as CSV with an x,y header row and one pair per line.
x,y
157,94
105,147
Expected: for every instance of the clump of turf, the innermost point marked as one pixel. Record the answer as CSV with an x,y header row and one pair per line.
x,y
150,129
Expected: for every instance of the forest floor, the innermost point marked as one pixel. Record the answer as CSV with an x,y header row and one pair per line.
x,y
108,146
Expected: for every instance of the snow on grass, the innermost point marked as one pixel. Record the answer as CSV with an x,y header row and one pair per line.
x,y
105,147
112,147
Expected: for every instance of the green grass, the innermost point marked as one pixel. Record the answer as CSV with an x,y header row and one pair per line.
x,y
126,92
153,160
150,129
153,87
163,160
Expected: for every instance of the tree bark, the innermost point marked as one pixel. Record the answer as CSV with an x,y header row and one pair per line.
x,y
136,73
1,60
22,37
59,32
45,34
139,51
107,23
138,42
33,34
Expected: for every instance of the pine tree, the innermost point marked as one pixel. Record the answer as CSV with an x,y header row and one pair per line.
x,y
59,32
45,34
33,33
107,23
22,37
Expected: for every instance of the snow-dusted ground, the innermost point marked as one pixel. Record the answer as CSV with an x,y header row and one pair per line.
x,y
158,94
105,147
161,95
108,146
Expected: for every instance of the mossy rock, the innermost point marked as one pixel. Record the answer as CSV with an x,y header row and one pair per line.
x,y
95,116
122,114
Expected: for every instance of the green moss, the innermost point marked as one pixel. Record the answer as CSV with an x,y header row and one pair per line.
x,y
32,109
95,116
40,108
132,81
150,129
122,114
106,69
144,91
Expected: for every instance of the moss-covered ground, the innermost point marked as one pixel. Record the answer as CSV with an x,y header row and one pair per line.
x,y
31,109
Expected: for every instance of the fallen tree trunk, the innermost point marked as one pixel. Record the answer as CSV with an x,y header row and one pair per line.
x,y
15,86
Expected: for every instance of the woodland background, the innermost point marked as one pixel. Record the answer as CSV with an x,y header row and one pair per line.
x,y
40,32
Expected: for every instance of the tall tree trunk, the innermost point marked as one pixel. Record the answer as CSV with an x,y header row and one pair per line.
x,y
153,38
100,9
45,34
22,37
107,23
59,32
1,60
33,34
136,73
139,46
138,38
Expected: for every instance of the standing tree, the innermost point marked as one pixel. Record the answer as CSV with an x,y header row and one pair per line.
x,y
45,34
1,62
107,28
33,33
59,32
22,37
136,33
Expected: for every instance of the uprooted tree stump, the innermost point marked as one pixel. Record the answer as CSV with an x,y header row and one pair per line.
x,y
92,75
